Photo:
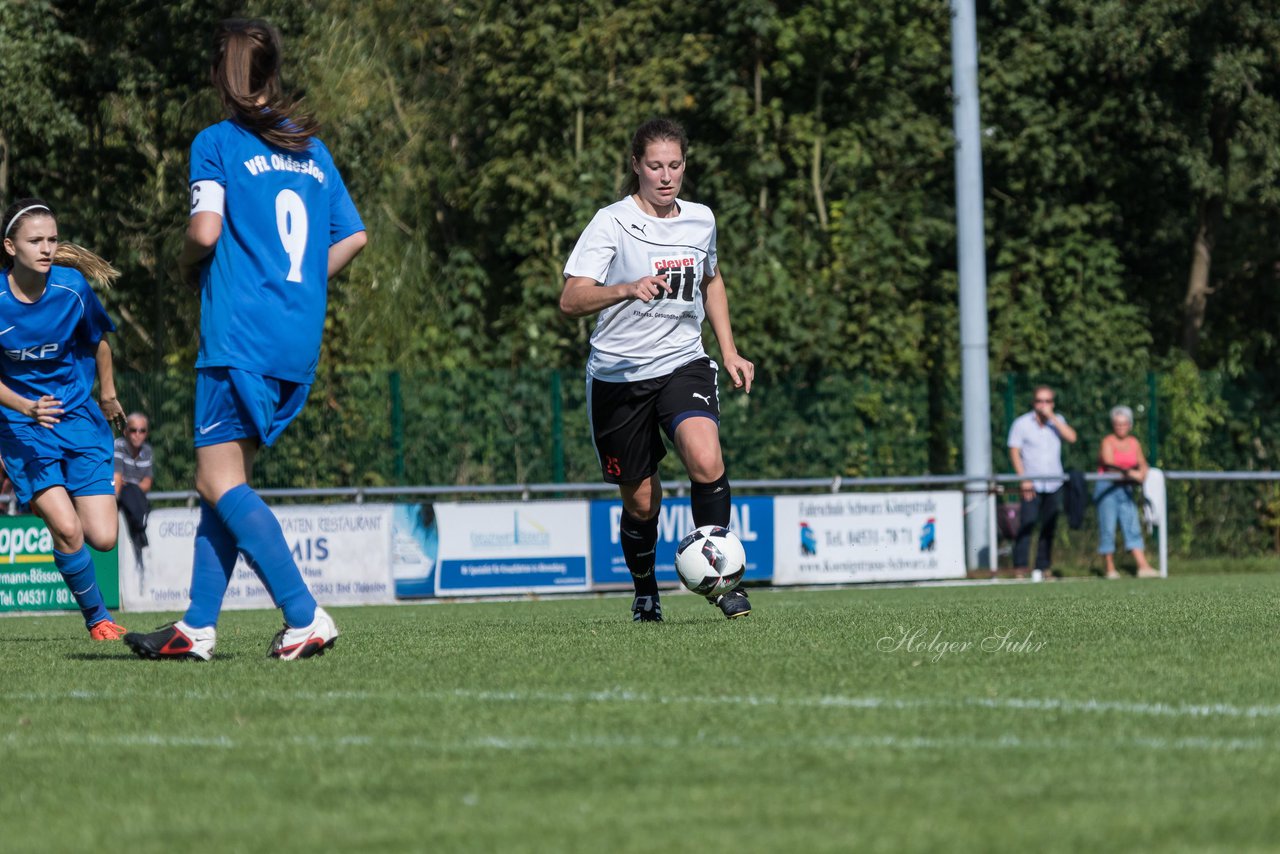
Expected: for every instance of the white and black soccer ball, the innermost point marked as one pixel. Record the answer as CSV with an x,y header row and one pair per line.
x,y
711,560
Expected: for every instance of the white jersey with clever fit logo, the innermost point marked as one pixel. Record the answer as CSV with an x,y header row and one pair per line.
x,y
636,340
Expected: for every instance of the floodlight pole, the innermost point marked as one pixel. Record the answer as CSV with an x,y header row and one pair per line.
x,y
971,247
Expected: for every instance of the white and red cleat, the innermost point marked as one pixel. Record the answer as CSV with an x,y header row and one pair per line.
x,y
291,643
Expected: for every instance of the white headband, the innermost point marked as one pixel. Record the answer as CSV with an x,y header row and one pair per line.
x,y
8,228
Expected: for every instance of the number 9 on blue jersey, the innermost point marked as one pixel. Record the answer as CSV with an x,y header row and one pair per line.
x,y
291,222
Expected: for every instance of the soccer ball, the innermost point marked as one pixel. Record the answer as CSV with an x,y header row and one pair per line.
x,y
711,560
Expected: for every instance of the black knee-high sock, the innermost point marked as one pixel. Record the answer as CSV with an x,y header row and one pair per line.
x,y
710,502
639,538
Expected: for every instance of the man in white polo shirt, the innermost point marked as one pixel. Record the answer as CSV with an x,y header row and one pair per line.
x,y
1035,448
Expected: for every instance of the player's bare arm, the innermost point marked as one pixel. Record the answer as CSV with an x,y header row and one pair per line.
x,y
111,408
203,231
741,371
44,411
345,250
582,296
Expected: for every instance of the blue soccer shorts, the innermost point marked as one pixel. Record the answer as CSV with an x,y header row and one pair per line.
x,y
75,454
233,404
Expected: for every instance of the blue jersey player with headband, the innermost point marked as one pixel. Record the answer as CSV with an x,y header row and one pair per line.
x,y
55,441
271,222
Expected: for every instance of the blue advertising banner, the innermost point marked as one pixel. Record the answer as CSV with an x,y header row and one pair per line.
x,y
751,519
511,575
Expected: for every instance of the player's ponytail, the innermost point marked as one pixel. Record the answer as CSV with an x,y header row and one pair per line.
x,y
653,130
246,73
93,268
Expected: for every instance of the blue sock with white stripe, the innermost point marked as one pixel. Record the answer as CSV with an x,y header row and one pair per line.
x,y
215,560
77,571
258,535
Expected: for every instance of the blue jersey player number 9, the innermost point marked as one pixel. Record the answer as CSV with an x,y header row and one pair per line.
x,y
262,310
282,212
291,221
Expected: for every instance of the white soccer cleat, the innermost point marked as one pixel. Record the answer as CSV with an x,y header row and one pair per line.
x,y
290,643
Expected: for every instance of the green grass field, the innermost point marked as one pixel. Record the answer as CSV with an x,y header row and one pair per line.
x,y
1138,716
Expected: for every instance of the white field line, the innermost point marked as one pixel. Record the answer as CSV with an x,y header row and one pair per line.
x,y
625,697
837,701
534,743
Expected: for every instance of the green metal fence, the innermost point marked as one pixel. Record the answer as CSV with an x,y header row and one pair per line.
x,y
480,427
475,427
375,428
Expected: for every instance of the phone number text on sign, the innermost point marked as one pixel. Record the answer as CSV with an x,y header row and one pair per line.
x,y
868,537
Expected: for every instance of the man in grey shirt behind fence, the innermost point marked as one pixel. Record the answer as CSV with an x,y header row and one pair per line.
x,y
134,476
1035,448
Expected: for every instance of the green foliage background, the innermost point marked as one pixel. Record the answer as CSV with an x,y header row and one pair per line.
x,y
479,137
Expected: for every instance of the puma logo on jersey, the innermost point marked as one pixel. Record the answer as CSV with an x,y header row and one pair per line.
x,y
640,228
33,354
705,398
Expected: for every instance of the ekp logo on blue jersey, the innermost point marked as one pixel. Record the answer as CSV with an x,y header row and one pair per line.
x,y
39,353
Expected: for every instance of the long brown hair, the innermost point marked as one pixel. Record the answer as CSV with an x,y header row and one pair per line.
x,y
246,73
66,255
651,131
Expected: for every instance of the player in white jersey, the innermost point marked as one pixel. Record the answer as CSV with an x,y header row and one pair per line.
x,y
647,264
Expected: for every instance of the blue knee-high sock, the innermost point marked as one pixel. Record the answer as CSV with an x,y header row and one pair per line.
x,y
215,560
77,571
258,535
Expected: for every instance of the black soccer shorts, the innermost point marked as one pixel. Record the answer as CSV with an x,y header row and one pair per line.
x,y
626,417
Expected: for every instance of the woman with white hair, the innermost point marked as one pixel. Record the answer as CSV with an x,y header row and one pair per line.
x,y
1120,453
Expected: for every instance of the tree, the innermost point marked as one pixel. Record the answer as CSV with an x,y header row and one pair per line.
x,y
1195,148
